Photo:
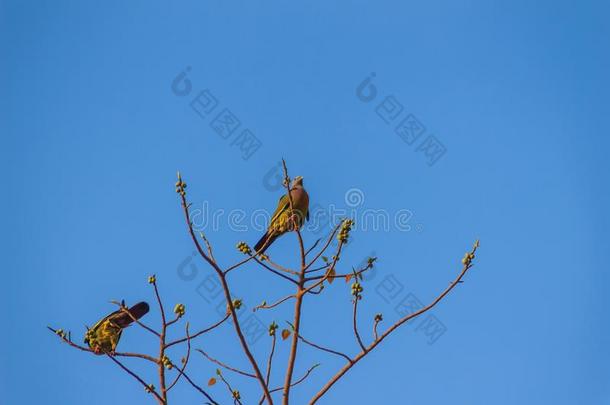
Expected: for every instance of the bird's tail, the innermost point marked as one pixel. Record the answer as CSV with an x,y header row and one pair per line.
x,y
265,241
135,312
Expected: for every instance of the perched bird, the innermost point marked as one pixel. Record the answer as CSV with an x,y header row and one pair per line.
x,y
104,336
283,220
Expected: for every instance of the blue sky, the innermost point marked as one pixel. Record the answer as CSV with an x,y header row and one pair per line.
x,y
515,92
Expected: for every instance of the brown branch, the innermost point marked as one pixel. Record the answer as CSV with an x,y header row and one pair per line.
x,y
318,268
208,246
201,332
324,349
359,356
355,317
313,247
225,366
134,375
228,298
161,366
197,387
185,361
293,347
280,267
269,362
181,372
353,273
116,354
299,296
300,380
277,273
327,275
275,304
236,400
326,245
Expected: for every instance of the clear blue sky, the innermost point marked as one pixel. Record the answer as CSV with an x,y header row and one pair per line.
x,y
516,92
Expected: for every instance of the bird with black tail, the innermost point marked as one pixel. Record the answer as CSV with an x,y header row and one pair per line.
x,y
284,219
104,336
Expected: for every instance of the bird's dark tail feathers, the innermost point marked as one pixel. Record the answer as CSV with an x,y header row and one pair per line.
x,y
265,242
137,311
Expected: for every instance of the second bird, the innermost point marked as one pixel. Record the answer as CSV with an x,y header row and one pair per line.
x,y
283,220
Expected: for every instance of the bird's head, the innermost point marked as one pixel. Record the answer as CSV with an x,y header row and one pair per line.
x,y
298,181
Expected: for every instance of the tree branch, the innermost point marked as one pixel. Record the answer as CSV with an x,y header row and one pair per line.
x,y
359,356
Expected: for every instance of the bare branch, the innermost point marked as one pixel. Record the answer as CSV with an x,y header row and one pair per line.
x,y
201,332
355,317
185,361
324,349
359,356
225,366
228,298
313,247
148,387
275,304
87,349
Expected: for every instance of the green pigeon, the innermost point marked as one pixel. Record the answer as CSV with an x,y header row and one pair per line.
x,y
281,220
104,336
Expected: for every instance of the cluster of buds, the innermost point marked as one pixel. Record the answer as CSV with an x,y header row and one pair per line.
x,y
370,262
152,279
357,290
236,395
467,259
180,310
272,328
180,186
61,333
167,362
150,388
237,303
346,227
378,318
244,248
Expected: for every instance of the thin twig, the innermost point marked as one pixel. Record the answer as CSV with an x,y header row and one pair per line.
x,y
326,245
197,387
116,354
208,245
228,299
355,317
181,372
185,361
277,273
225,366
313,247
161,366
300,380
236,399
400,322
324,349
269,362
299,296
201,332
134,375
275,304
